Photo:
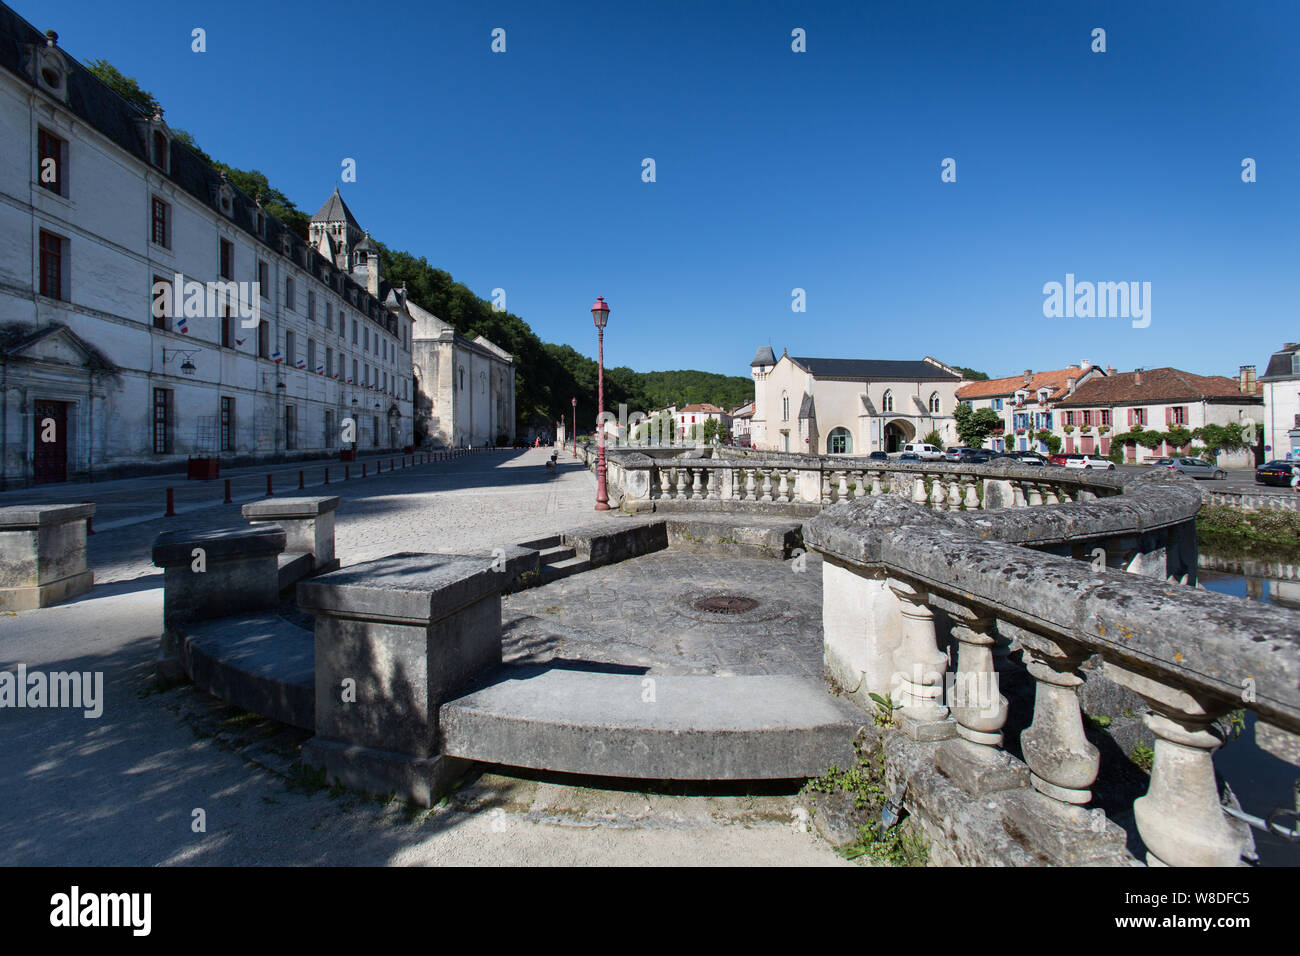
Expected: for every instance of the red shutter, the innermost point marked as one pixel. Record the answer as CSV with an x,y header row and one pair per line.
x,y
1130,418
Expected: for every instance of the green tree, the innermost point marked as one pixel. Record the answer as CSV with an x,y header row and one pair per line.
x,y
127,87
933,439
712,431
975,426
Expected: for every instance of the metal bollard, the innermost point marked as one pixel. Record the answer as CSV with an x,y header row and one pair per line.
x,y
227,499
171,504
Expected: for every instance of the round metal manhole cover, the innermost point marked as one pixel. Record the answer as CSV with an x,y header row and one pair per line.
x,y
725,604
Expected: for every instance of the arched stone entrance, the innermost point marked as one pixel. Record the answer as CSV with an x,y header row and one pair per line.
x,y
897,434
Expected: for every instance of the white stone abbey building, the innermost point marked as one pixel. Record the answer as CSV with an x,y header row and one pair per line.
x,y
109,366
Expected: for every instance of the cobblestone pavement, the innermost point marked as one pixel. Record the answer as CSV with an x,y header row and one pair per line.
x,y
641,613
474,503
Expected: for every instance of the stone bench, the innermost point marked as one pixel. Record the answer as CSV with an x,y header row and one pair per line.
x,y
395,639
214,574
43,555
308,524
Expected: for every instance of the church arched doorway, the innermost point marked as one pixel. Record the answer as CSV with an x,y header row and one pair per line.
x,y
897,434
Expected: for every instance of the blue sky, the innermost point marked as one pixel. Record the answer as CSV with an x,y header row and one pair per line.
x,y
776,170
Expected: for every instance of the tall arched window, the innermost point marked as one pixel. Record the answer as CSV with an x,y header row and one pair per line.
x,y
934,403
887,402
462,378
839,442
785,407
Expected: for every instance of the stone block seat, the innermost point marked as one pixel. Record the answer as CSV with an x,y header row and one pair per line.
x,y
260,662
308,524
43,554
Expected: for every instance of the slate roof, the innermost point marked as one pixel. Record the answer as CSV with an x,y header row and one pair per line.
x,y
1279,363
807,408
336,209
879,369
764,356
1159,385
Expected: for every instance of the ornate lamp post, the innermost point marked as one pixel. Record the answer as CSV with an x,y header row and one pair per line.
x,y
575,428
600,315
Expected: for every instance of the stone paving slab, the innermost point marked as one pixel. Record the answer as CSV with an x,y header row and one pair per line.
x,y
640,613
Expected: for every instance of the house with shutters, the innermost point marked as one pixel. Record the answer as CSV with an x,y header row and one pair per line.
x,y
1158,399
1026,403
1280,385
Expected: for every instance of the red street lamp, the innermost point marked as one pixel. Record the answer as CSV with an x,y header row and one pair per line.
x,y
600,315
575,428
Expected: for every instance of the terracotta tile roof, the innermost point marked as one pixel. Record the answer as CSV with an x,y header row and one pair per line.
x,y
1003,387
1158,385
704,407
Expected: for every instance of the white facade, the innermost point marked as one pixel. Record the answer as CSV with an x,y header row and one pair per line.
x,y
98,204
849,406
1281,391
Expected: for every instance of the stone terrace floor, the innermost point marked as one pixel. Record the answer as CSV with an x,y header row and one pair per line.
x,y
121,789
640,613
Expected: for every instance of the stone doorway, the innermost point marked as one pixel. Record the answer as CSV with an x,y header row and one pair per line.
x,y
50,458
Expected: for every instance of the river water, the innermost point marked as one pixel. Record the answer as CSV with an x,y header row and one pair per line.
x,y
1260,780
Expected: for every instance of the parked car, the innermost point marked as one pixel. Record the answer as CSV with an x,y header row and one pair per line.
x,y
1277,472
1163,461
1030,458
954,452
909,456
923,451
1090,462
1196,468
878,456
1059,459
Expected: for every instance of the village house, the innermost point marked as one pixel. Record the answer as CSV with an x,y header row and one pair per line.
x,y
1026,403
1281,392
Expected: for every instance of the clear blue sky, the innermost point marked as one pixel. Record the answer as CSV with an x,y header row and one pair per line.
x,y
777,170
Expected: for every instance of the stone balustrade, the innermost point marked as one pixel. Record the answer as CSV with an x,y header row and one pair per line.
x,y
43,555
1007,583
804,484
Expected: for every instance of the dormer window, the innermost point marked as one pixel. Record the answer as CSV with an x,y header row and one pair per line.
x,y
226,199
49,68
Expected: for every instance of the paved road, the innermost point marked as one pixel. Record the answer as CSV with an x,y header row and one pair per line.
x,y
122,789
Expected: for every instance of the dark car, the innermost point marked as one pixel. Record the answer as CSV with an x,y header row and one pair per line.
x,y
975,455
878,456
909,456
1275,472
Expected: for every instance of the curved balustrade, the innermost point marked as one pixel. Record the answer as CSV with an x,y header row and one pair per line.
x,y
892,561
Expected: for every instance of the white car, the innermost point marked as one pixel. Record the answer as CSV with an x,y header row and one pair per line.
x,y
1089,461
923,451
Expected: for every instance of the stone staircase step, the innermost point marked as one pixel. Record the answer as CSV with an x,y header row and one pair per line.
x,y
261,663
562,569
676,728
559,553
541,544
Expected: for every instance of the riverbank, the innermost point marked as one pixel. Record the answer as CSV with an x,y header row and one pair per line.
x,y
1226,525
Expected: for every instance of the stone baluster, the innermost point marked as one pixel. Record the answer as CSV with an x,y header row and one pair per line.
x,y
954,494
1180,818
696,483
972,497
1049,495
1063,764
751,492
727,485
1035,494
767,486
918,490
875,484
783,485
681,482
918,682
1017,495
1063,495
975,760
860,479
843,486
938,500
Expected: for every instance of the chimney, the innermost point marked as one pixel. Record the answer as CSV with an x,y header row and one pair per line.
x,y
51,38
1110,370
1084,364
1029,375
1069,386
1137,376
1246,380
